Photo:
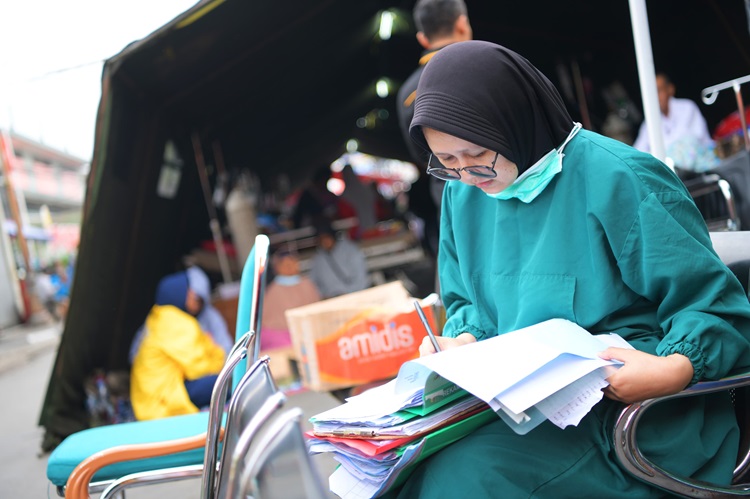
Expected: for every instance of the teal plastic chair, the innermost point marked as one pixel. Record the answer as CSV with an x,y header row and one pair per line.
x,y
80,447
252,391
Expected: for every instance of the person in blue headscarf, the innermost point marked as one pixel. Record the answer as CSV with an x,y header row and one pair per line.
x,y
210,319
176,365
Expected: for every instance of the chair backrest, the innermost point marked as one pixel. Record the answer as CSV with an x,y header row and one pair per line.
x,y
253,390
714,198
735,170
732,246
277,453
250,301
216,409
230,487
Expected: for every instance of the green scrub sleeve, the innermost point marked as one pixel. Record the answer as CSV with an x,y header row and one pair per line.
x,y
703,314
462,316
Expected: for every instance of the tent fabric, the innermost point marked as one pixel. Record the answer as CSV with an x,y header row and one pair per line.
x,y
280,87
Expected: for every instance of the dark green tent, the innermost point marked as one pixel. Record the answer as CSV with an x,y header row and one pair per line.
x,y
281,86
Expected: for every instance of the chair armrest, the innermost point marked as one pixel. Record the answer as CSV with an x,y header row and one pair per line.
x,y
78,483
116,489
632,459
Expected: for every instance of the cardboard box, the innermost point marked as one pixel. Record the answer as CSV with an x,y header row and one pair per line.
x,y
357,338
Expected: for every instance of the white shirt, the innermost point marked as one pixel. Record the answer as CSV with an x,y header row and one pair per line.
x,y
684,120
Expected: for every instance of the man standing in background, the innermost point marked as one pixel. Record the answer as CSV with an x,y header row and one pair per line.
x,y
439,23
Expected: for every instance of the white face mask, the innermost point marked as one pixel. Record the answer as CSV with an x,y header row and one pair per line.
x,y
287,280
533,181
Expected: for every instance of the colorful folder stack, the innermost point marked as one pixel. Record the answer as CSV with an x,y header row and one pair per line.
x,y
548,371
379,436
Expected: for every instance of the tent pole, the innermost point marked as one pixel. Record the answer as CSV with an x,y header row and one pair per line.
x,y
647,76
741,110
213,218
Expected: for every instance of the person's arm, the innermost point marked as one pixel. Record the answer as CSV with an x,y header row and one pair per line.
x,y
666,257
305,207
136,343
641,141
644,376
213,323
309,290
318,270
405,112
359,264
462,316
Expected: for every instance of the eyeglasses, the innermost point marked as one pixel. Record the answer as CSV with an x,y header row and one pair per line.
x,y
444,173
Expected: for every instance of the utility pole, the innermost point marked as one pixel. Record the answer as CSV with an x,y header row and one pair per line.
x,y
6,156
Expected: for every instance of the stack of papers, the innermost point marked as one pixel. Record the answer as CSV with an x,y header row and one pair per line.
x,y
551,370
377,452
399,425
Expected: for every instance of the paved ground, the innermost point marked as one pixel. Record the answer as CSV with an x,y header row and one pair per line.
x,y
26,358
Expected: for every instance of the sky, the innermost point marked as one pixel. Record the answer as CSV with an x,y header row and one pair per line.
x,y
51,58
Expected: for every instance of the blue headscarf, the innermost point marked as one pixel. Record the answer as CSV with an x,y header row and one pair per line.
x,y
172,290
199,283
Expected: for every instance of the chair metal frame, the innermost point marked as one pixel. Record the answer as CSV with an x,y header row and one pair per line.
x,y
80,478
281,435
79,483
209,480
231,485
709,183
633,460
256,388
731,247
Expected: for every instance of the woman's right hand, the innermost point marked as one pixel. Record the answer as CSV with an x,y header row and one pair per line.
x,y
445,343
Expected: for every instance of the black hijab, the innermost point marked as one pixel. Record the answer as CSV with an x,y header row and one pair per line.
x,y
490,96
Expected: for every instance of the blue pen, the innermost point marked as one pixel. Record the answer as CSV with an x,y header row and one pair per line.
x,y
426,325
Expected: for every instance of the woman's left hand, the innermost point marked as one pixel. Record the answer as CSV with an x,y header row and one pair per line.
x,y
644,376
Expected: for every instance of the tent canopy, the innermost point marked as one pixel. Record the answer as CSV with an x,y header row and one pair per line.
x,y
280,87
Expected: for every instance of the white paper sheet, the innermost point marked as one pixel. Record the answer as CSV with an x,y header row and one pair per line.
x,y
572,403
551,378
509,358
374,403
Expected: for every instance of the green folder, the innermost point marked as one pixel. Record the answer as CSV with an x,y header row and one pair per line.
x,y
437,392
433,442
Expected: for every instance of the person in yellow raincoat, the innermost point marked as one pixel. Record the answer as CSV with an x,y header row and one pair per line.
x,y
177,363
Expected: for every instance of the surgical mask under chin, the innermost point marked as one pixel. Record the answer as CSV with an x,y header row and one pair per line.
x,y
532,182
287,280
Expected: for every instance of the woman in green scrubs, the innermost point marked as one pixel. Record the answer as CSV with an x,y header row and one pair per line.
x,y
542,219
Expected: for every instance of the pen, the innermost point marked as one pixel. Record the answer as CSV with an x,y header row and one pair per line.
x,y
350,433
426,325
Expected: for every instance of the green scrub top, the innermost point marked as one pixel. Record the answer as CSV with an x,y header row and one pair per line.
x,y
615,244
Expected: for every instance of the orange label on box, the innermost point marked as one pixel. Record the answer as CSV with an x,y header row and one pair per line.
x,y
371,346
